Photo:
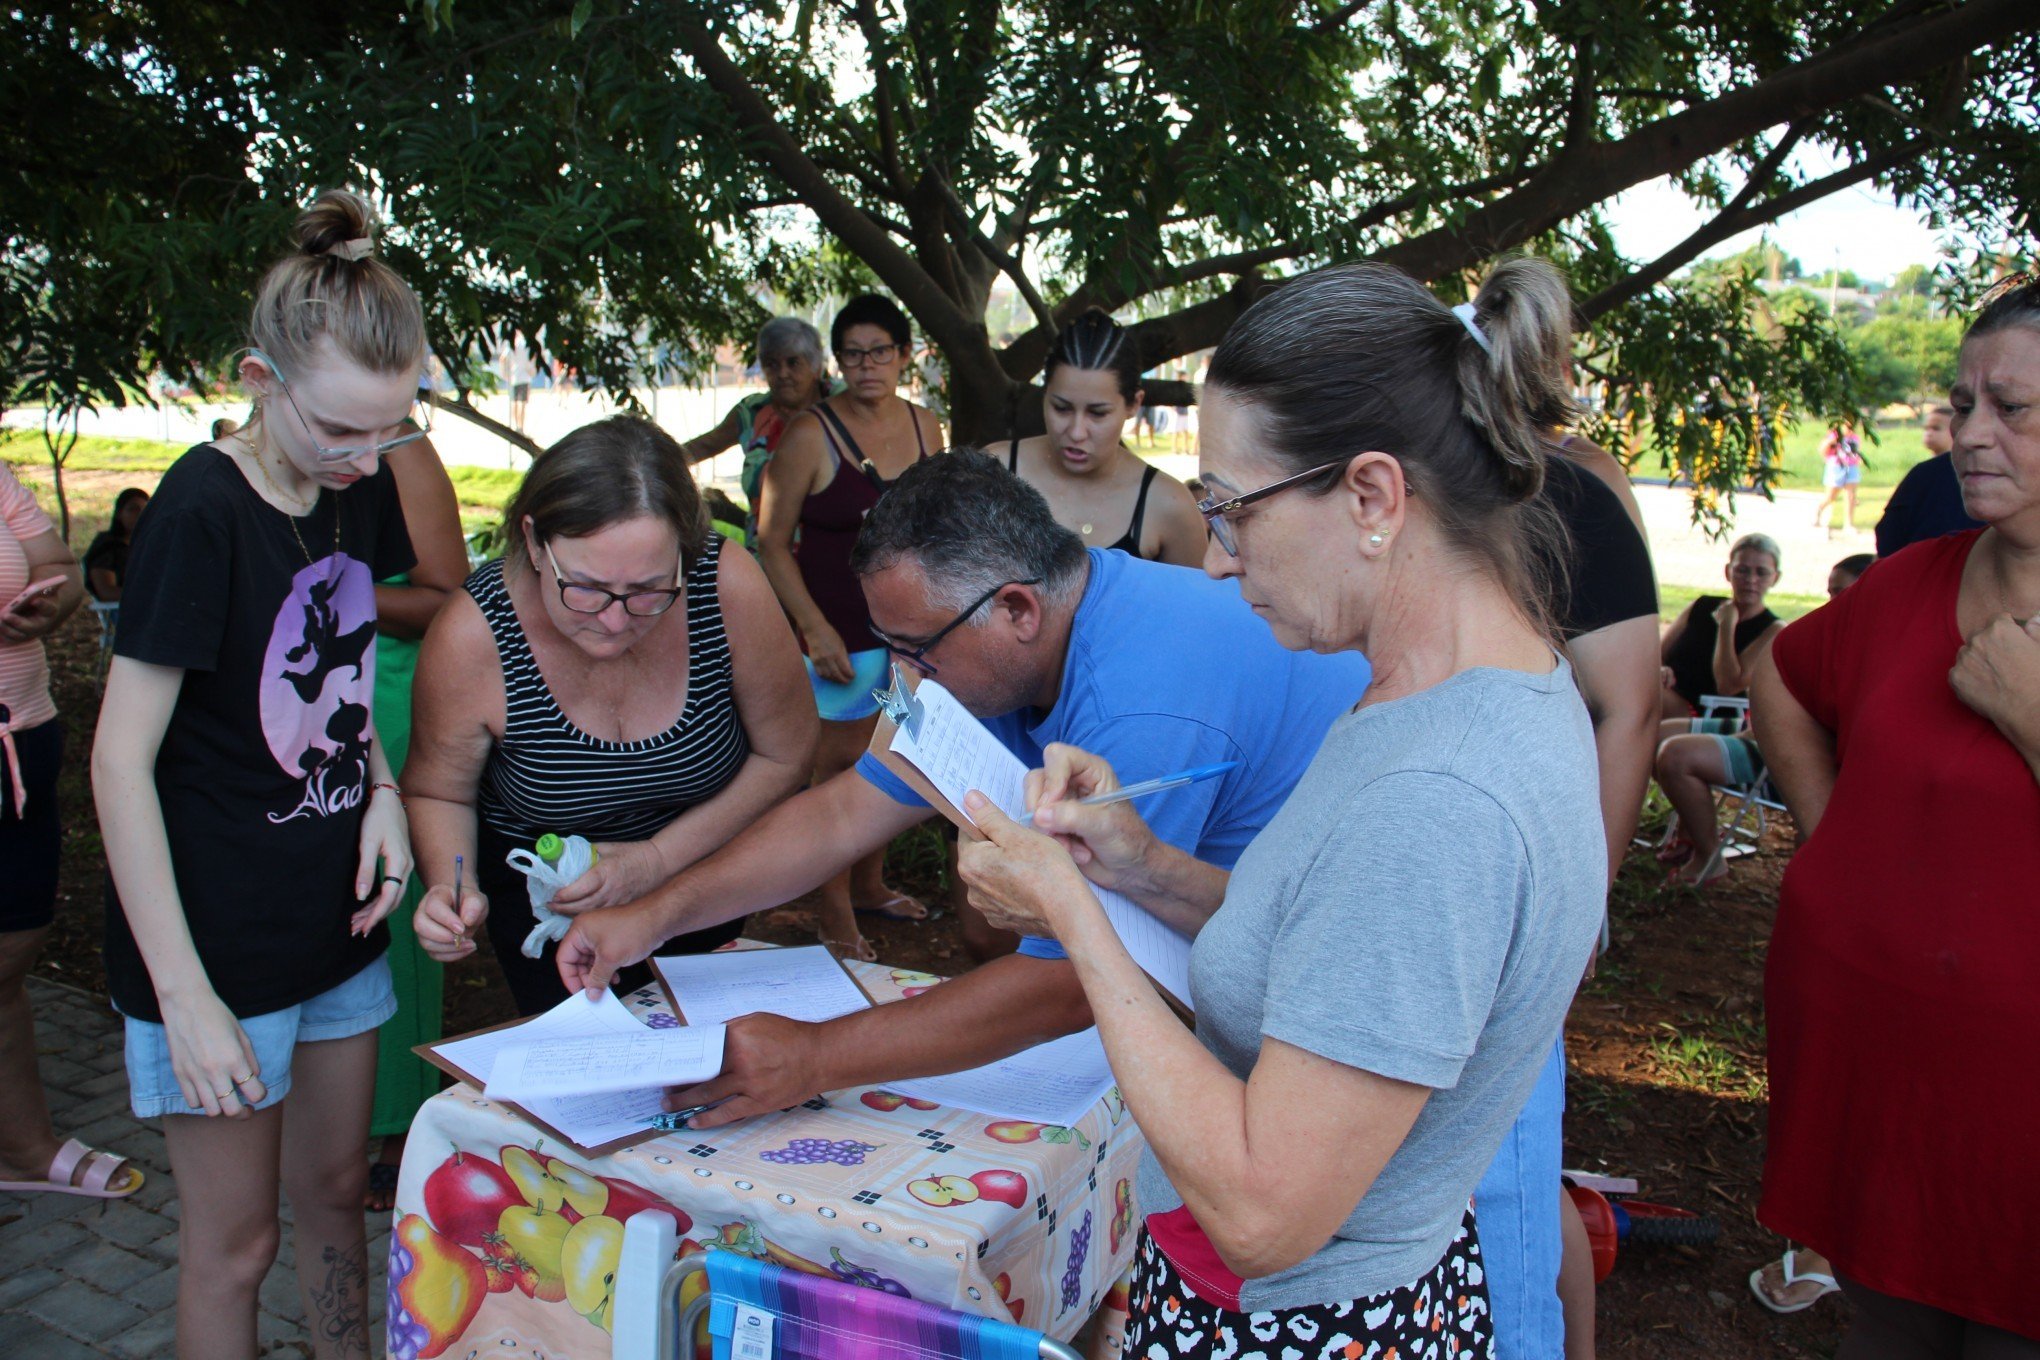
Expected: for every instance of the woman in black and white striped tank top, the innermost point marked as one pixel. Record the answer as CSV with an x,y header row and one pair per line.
x,y
584,686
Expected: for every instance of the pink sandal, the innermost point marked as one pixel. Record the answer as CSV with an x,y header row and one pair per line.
x,y
99,1169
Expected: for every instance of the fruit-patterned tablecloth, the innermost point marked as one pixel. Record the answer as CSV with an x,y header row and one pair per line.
x,y
505,1244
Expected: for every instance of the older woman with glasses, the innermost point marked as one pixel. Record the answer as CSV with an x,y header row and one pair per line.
x,y
623,675
1380,977
831,467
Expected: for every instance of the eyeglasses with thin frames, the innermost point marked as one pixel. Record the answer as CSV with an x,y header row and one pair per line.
x,y
642,604
420,418
917,656
1215,511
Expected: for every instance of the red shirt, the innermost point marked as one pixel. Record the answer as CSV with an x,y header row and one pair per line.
x,y
1903,984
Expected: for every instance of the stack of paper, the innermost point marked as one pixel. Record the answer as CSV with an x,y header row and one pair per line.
x,y
958,753
588,1121
803,983
651,1058
1053,1083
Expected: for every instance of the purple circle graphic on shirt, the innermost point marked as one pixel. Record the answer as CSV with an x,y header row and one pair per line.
x,y
318,685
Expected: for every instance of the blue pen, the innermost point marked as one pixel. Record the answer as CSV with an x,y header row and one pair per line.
x,y
672,1121
1195,774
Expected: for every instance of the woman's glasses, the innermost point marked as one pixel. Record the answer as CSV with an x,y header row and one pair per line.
x,y
420,420
643,604
1215,511
858,358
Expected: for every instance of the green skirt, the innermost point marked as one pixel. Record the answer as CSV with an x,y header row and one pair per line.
x,y
403,1081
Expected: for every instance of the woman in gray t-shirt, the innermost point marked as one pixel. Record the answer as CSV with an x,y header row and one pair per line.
x,y
1379,980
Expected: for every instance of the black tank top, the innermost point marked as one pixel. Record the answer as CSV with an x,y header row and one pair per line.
x,y
1128,542
829,522
1692,656
548,775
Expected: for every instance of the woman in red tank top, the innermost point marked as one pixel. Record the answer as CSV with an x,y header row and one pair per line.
x,y
832,465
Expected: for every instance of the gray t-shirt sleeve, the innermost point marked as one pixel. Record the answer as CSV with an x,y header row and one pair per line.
x,y
1390,954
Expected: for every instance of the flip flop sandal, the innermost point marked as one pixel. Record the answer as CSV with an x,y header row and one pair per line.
x,y
884,909
1675,852
382,1186
1791,1275
859,949
99,1170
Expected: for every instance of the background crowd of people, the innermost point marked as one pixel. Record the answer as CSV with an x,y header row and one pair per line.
x,y
1409,599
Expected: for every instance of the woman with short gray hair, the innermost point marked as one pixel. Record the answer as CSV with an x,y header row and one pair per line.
x,y
796,377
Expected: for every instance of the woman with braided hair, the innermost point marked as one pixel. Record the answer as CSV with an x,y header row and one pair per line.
x,y
1093,482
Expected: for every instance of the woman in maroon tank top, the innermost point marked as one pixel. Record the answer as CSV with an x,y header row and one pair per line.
x,y
832,465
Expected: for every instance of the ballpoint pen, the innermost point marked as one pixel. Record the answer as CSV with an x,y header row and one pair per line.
x,y
1193,775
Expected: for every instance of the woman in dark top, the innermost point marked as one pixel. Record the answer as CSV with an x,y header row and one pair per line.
x,y
106,560
1697,660
623,675
254,834
831,466
1093,482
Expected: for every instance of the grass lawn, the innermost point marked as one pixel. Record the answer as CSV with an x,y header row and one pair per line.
x,y
1671,599
98,468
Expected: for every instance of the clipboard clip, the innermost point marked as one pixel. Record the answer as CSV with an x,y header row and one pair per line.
x,y
899,704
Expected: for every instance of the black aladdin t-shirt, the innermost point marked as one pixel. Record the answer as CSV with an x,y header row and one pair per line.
x,y
263,773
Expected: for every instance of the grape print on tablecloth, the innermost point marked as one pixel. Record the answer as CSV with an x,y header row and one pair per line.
x,y
819,1151
1073,1272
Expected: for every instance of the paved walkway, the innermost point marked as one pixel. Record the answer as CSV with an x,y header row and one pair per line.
x,y
83,1277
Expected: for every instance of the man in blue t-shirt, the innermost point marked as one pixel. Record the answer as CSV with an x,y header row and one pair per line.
x,y
1156,668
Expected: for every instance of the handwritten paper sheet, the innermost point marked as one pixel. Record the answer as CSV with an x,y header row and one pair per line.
x,y
608,1062
1053,1083
958,753
588,1120
804,983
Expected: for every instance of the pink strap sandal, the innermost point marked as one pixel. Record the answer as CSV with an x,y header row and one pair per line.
x,y
99,1170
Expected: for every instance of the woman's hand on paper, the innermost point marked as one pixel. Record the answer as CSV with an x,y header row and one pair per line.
x,y
601,942
1110,843
447,932
623,872
1019,878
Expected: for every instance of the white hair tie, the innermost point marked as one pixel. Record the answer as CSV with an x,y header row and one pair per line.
x,y
1464,311
355,249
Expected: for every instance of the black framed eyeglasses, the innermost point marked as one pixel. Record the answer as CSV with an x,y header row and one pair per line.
x,y
643,604
1215,510
858,358
916,656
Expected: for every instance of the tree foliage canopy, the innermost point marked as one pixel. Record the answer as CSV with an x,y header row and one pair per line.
x,y
625,181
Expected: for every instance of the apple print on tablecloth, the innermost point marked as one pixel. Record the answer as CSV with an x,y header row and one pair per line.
x,y
1023,1131
1000,1186
885,1102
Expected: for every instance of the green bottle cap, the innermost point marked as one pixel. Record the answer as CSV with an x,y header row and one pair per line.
x,y
550,848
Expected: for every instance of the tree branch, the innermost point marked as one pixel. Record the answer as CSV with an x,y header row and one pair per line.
x,y
888,131
460,406
1338,17
961,338
1008,264
1736,219
1581,177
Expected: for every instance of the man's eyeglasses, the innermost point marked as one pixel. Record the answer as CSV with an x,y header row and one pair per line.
x,y
643,604
420,419
1215,511
858,358
916,656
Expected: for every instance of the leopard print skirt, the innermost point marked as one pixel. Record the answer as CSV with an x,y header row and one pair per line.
x,y
1441,1316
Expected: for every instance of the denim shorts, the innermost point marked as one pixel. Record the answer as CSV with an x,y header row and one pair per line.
x,y
1516,1206
356,1006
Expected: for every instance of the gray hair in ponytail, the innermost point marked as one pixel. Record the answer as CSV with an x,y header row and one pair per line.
x,y
1362,356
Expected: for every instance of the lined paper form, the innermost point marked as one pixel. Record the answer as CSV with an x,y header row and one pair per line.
x,y
958,753
1053,1083
608,1062
587,1120
802,983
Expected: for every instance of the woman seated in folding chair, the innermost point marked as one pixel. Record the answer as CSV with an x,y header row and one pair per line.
x,y
1712,646
1698,755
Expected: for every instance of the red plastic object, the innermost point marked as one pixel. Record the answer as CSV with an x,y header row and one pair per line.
x,y
1599,1218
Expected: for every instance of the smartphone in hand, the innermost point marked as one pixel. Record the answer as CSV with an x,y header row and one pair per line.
x,y
36,589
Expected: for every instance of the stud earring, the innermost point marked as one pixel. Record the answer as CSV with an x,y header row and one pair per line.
x,y
1376,540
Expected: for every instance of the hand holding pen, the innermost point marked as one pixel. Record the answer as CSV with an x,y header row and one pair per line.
x,y
447,918
1077,798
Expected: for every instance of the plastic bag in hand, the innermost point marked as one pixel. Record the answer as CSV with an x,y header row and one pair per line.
x,y
542,880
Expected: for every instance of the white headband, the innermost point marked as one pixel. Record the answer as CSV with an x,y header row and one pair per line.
x,y
1464,311
352,250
